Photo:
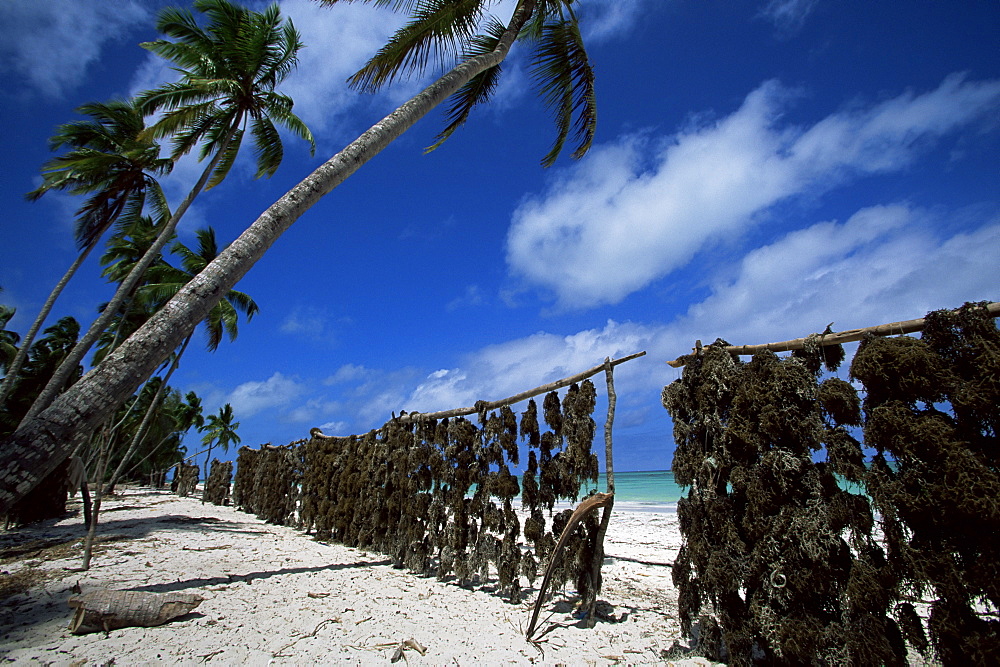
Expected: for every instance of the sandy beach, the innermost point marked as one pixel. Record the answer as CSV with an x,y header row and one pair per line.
x,y
274,595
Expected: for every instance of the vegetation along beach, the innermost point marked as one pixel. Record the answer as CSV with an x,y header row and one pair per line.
x,y
528,331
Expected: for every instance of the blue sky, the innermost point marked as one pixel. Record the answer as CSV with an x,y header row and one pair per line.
x,y
760,169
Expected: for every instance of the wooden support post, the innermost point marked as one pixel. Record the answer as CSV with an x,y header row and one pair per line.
x,y
597,579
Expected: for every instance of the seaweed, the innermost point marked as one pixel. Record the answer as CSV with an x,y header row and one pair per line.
x,y
780,564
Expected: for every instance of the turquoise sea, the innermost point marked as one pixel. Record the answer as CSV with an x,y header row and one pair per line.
x,y
647,491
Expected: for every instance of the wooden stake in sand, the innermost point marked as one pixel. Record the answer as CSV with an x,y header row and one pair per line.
x,y
583,509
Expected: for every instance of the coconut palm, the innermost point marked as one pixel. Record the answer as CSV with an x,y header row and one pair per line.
x,y
229,72
221,320
112,159
220,430
123,251
438,27
43,358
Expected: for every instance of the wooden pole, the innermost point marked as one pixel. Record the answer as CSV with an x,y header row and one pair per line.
x,y
836,338
596,578
493,405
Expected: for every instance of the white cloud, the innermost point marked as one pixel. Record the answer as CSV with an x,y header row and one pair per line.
x,y
635,211
348,373
308,322
788,15
339,40
602,21
506,369
334,428
884,264
51,43
472,296
252,397
314,410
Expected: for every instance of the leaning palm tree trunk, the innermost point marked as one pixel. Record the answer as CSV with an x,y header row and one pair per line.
x,y
41,443
147,419
126,288
22,352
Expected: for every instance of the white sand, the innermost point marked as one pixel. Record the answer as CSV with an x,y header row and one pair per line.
x,y
274,595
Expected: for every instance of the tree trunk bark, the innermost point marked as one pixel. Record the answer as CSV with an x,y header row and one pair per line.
x,y
42,442
22,352
148,417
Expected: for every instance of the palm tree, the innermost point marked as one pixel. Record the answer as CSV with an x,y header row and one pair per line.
x,y
124,250
112,158
221,320
43,358
39,445
220,430
230,70
166,281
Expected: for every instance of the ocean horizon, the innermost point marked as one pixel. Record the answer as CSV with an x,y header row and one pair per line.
x,y
640,491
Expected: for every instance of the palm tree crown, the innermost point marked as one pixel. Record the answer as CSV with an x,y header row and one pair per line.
x,y
449,30
229,72
112,157
166,281
220,430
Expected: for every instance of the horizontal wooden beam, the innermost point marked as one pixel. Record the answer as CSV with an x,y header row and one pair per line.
x,y
835,338
493,405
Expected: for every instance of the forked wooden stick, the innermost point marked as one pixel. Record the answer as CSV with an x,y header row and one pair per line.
x,y
583,509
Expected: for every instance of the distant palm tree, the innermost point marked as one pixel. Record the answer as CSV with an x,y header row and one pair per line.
x,y
438,27
166,281
113,158
8,339
124,250
230,70
220,430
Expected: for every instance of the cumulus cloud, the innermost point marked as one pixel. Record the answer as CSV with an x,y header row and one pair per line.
x,y
505,369
252,397
50,44
312,411
884,263
339,40
637,210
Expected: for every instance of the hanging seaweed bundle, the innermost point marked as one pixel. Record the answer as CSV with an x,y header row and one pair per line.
x,y
580,464
217,486
932,407
274,489
765,565
244,494
549,478
187,480
436,496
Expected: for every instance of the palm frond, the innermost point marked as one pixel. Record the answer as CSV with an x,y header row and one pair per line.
x,y
479,89
267,146
566,82
437,29
227,159
278,108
